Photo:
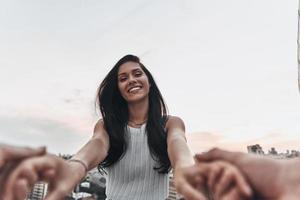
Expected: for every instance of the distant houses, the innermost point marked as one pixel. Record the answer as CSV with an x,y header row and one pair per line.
x,y
272,153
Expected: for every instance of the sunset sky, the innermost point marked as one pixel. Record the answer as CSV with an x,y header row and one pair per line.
x,y
227,68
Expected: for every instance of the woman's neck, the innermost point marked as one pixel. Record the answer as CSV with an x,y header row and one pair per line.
x,y
138,111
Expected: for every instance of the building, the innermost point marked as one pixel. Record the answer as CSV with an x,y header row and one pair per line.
x,y
255,149
38,192
273,153
172,191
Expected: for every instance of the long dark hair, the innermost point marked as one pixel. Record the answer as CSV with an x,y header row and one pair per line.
x,y
115,115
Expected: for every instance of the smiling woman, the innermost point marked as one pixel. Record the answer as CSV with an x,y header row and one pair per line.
x,y
136,137
129,95
136,142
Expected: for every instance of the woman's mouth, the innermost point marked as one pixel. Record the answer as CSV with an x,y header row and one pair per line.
x,y
134,89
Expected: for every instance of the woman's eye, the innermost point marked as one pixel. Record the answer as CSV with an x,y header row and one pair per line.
x,y
122,79
138,74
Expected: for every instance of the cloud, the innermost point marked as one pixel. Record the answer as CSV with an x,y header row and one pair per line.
x,y
29,131
203,141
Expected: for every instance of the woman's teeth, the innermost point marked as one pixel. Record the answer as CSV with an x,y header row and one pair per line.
x,y
134,89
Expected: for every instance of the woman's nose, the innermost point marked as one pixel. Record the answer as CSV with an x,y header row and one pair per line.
x,y
132,80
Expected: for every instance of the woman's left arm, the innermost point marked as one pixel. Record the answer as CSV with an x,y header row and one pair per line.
x,y
178,150
184,168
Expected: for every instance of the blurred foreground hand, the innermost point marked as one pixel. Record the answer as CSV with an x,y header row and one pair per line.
x,y
270,179
10,157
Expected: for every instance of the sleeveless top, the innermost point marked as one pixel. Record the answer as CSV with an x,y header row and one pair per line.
x,y
133,177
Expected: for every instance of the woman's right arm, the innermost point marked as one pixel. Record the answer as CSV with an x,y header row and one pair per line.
x,y
93,152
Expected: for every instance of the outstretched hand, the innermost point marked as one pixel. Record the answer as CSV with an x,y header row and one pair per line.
x,y
10,153
221,179
190,182
225,181
49,168
270,179
10,156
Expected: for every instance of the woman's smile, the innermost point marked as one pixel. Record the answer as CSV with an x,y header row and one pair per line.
x,y
134,89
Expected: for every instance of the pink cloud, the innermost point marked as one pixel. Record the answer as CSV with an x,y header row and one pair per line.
x,y
203,141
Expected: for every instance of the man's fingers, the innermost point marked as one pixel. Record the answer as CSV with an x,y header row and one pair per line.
x,y
21,189
218,154
42,163
29,169
215,154
214,175
10,153
25,152
233,194
233,179
243,186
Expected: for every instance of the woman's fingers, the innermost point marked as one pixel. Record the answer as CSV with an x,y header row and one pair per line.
x,y
30,169
21,189
48,168
189,192
189,181
29,174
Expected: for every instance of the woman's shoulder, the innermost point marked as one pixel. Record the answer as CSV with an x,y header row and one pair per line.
x,y
99,124
99,128
174,121
173,118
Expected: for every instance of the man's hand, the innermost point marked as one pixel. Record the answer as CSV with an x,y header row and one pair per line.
x,y
10,153
60,175
10,156
270,179
225,181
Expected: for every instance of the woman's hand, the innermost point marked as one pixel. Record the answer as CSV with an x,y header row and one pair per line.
x,y
61,176
190,182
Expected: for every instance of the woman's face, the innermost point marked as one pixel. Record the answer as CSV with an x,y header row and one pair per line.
x,y
133,83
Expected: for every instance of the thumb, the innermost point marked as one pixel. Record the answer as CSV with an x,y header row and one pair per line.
x,y
16,153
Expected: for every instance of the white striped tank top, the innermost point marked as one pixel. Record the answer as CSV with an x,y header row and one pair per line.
x,y
133,177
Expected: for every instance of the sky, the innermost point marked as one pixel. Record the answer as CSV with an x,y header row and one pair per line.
x,y
227,68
